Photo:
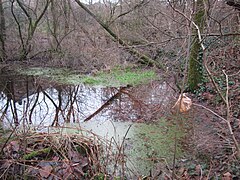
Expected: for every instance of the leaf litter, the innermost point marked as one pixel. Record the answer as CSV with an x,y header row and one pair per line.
x,y
50,156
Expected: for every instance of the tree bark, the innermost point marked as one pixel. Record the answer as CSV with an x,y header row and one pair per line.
x,y
2,33
196,52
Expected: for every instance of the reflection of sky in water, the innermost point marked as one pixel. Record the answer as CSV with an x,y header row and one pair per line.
x,y
79,102
88,100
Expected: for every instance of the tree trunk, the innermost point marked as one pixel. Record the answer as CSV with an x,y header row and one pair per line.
x,y
142,57
196,54
2,33
32,26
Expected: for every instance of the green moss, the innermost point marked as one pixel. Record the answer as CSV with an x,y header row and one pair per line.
x,y
195,73
37,153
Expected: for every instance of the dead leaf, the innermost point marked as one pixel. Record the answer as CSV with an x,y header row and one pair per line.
x,y
74,156
55,158
185,175
78,171
207,96
84,162
45,171
183,104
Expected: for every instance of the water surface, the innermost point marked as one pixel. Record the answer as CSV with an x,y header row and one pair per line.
x,y
135,116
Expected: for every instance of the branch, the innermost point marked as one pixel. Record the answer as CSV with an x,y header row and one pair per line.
x,y
41,15
130,10
214,83
107,103
142,57
18,25
228,117
211,111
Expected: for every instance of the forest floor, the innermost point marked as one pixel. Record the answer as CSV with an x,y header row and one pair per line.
x,y
211,149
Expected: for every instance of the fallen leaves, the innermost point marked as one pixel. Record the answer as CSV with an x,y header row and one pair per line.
x,y
49,156
45,171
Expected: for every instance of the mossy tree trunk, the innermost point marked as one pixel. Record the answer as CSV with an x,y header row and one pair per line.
x,y
2,33
196,54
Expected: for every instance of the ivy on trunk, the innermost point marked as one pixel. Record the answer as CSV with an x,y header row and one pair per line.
x,y
195,59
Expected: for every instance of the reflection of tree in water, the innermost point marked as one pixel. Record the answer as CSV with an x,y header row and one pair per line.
x,y
142,103
13,90
41,103
46,104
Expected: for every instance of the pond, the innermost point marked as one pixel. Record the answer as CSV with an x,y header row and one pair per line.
x,y
134,116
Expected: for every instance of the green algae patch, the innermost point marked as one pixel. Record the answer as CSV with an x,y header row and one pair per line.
x,y
145,144
114,78
119,77
155,142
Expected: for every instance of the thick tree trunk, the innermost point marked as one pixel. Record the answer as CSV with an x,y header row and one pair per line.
x,y
2,33
196,56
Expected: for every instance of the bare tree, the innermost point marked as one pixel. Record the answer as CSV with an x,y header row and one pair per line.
x,y
143,58
32,24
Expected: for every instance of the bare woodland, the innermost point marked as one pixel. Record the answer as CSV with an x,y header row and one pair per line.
x,y
165,34
188,41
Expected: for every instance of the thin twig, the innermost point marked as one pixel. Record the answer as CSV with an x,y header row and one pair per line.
x,y
228,117
199,105
9,137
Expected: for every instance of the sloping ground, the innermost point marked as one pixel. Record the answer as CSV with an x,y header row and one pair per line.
x,y
214,147
210,149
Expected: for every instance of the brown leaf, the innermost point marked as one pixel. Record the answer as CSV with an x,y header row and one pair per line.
x,y
84,162
185,175
183,104
55,158
207,96
78,171
74,156
45,171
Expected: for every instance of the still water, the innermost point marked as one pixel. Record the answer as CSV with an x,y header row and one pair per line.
x,y
135,116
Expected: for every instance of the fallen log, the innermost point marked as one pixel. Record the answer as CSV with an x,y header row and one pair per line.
x,y
142,57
